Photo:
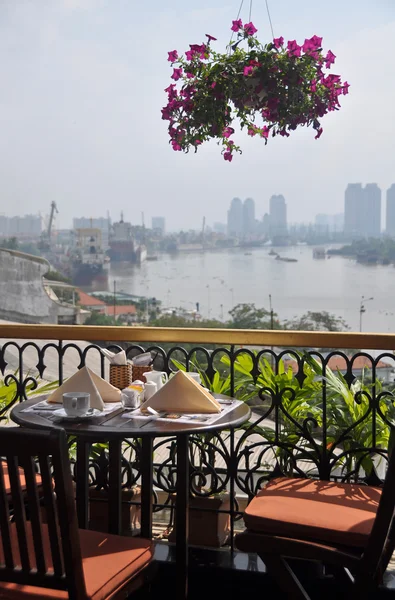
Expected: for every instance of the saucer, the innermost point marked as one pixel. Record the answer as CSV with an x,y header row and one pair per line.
x,y
61,414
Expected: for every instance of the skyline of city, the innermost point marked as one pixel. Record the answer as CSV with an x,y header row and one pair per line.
x,y
368,212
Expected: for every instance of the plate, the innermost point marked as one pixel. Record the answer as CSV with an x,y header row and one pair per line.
x,y
61,414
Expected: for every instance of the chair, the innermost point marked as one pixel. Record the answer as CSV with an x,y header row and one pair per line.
x,y
346,527
7,485
55,559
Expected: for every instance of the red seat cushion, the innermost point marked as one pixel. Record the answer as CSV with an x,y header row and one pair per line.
x,y
336,513
22,479
109,562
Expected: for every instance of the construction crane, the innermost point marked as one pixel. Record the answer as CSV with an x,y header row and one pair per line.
x,y
54,209
45,242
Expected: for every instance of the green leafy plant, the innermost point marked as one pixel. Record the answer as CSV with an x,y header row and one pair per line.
x,y
350,418
9,390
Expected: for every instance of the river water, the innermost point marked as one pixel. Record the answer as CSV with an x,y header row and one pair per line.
x,y
221,279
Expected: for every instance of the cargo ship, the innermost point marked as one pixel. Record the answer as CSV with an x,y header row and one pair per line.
x,y
123,246
88,262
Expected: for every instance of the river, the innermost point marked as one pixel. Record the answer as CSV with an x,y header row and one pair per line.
x,y
221,279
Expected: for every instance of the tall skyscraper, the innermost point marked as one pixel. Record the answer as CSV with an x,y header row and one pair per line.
x,y
248,216
352,200
278,216
371,217
390,215
158,223
235,217
362,210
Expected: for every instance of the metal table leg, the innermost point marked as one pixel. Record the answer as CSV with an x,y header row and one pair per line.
x,y
146,486
82,482
182,517
114,486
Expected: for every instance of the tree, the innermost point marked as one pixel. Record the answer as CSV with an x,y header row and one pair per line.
x,y
317,321
98,319
178,321
10,243
246,316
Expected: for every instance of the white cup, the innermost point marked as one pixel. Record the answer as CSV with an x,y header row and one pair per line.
x,y
150,388
76,404
195,376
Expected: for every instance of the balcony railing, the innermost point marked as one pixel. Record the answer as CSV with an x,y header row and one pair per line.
x,y
319,409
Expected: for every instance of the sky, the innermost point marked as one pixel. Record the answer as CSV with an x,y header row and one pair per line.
x,y
82,86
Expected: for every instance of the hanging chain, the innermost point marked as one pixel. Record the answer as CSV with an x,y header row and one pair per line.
x,y
270,19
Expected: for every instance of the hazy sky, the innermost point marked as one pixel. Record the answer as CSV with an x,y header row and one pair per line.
x,y
82,87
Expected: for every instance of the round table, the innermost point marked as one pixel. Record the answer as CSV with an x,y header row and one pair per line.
x,y
113,428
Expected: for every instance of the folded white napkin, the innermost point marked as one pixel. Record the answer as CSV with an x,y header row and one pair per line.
x,y
115,358
86,380
181,394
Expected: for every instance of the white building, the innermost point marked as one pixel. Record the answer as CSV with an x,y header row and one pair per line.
x,y
390,213
235,218
248,216
362,210
158,224
278,216
28,226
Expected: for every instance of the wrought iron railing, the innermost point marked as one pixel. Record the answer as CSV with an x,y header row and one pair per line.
x,y
308,419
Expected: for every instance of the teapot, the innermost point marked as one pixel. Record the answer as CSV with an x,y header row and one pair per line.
x,y
157,377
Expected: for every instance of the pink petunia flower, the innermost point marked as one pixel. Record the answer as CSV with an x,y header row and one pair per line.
x,y
173,55
210,38
227,132
329,59
237,25
228,156
177,74
248,71
250,29
319,133
293,48
265,132
346,85
278,42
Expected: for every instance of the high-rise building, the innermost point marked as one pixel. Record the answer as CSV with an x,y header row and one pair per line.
x,y
390,214
278,216
235,218
371,216
352,201
248,216
219,227
362,210
26,226
158,223
329,223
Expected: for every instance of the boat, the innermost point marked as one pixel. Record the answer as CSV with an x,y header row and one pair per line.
x,y
123,246
272,253
88,261
286,259
319,253
151,257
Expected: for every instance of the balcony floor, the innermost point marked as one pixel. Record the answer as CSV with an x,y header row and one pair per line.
x,y
214,574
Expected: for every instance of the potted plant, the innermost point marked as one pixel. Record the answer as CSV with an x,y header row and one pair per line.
x,y
269,89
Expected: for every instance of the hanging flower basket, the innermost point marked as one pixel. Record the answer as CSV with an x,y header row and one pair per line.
x,y
270,89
